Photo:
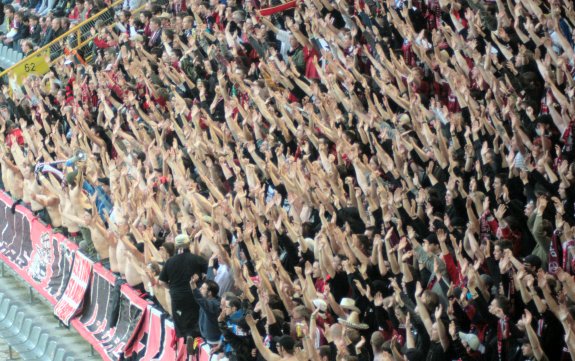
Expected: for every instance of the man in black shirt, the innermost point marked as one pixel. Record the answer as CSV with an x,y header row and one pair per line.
x,y
176,276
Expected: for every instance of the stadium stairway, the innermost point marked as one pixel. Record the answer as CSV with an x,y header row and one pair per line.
x,y
9,57
29,327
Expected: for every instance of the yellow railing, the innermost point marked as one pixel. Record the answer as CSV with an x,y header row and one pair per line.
x,y
70,39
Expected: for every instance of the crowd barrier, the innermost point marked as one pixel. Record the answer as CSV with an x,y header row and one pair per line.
x,y
107,313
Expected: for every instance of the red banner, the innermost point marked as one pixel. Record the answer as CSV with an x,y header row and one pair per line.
x,y
112,314
105,311
42,258
156,340
70,304
279,8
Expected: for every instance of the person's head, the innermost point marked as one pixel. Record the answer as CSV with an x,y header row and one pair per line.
x,y
294,44
316,270
167,250
155,24
285,345
347,40
87,216
56,24
529,208
19,15
499,306
336,331
448,198
154,269
352,334
33,19
499,247
536,148
188,22
232,305
64,23
532,263
399,314
26,46
125,15
543,124
300,314
182,242
430,300
498,182
526,349
9,11
80,4
145,17
377,340
337,263
430,244
324,353
540,165
209,289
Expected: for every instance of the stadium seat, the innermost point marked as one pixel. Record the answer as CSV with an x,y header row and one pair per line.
x,y
3,51
8,58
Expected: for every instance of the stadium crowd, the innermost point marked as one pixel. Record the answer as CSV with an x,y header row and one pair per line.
x,y
28,25
321,179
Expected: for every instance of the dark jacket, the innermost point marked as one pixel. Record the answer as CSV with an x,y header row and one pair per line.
x,y
51,34
22,33
237,341
36,34
209,312
154,41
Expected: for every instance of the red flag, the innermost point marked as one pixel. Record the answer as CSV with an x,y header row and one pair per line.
x,y
276,9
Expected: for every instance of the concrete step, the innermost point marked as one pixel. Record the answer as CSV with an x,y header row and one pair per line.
x,y
28,325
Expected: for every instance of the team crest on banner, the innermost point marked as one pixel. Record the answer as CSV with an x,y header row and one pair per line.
x,y
108,313
40,256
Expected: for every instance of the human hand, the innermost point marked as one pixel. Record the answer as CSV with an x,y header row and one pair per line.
x,y
541,204
418,289
527,317
250,319
541,278
378,299
193,281
438,312
500,211
441,235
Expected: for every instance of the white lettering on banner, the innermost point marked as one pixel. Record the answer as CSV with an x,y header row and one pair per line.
x,y
51,264
71,302
79,281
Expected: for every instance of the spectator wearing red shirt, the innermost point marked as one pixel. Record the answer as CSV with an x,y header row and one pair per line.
x,y
13,134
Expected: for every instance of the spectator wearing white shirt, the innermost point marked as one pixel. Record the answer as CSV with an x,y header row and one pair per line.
x,y
222,275
132,4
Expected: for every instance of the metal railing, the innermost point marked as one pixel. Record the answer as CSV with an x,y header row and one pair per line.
x,y
85,48
78,34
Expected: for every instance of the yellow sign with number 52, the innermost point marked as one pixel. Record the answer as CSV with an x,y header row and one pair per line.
x,y
35,64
